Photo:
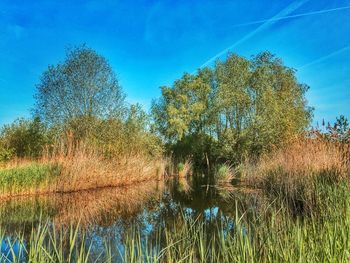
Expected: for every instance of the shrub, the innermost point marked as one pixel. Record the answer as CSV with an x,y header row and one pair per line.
x,y
5,154
24,138
224,174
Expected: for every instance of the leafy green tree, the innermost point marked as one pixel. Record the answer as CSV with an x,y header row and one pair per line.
x,y
183,108
243,107
79,90
342,126
139,135
233,104
233,99
279,109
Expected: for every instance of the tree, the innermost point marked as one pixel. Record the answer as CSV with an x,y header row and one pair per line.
x,y
279,106
242,106
340,130
233,102
82,88
184,107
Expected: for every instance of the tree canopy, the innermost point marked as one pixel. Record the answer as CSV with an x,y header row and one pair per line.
x,y
84,86
243,105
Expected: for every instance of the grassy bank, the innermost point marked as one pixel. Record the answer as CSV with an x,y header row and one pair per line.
x,y
28,178
76,169
270,234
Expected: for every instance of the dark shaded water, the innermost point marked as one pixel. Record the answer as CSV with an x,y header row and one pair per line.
x,y
111,214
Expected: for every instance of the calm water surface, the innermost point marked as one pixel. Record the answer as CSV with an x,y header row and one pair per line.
x,y
110,214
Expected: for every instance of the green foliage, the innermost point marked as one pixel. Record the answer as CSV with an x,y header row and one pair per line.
x,y
26,177
22,138
244,106
130,136
138,134
5,154
184,107
223,173
340,131
201,148
342,125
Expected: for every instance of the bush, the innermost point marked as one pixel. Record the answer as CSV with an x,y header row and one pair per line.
x,y
5,154
223,174
117,137
23,138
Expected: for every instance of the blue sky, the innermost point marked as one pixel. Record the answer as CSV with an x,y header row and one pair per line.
x,y
151,43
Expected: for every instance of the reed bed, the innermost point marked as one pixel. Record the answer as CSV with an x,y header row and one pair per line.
x,y
313,155
77,168
85,168
293,173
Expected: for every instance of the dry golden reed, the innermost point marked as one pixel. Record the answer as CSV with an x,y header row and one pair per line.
x,y
82,168
311,155
293,173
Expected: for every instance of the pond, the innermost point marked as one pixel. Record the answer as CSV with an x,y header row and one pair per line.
x,y
113,213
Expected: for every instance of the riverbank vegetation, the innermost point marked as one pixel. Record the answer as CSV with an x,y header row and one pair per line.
x,y
82,125
293,173
242,124
216,121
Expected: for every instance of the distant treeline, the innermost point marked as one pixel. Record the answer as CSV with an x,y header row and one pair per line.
x,y
238,108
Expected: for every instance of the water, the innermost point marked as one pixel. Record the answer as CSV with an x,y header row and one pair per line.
x,y
111,213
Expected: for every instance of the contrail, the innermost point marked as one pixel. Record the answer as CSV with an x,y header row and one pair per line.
x,y
321,59
286,11
293,16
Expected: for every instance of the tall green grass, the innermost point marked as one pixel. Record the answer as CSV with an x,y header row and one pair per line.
x,y
277,237
28,177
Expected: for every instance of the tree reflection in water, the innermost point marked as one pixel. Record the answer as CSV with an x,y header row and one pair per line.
x,y
114,214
